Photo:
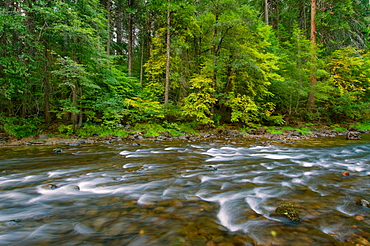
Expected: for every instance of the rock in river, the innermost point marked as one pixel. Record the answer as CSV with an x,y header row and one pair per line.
x,y
363,202
50,186
288,211
353,136
57,150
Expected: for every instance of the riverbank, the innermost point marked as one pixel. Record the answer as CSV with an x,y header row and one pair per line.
x,y
232,136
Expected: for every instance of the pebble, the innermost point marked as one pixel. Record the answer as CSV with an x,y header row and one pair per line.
x,y
50,186
359,217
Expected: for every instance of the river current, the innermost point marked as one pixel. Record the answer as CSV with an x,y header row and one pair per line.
x,y
186,193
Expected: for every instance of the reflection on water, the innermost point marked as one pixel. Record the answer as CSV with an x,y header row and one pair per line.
x,y
185,193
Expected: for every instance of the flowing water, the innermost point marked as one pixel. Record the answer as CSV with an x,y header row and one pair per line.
x,y
185,193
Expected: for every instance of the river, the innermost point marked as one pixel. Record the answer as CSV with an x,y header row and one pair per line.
x,y
186,193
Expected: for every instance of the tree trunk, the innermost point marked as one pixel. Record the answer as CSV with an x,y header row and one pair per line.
x,y
302,15
80,118
300,73
215,31
311,97
266,12
24,104
168,53
108,26
142,61
150,36
75,89
119,29
130,37
46,87
74,115
274,13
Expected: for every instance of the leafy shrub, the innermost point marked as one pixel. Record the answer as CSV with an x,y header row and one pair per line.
x,y
142,110
151,130
305,131
101,130
197,105
281,130
175,129
364,126
188,127
275,131
19,127
66,129
339,129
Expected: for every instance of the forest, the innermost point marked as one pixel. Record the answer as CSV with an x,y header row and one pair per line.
x,y
82,65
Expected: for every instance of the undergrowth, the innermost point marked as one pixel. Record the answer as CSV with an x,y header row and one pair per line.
x,y
148,129
282,129
362,126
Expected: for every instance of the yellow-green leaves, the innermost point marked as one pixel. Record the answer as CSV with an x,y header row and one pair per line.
x,y
347,71
139,110
242,107
197,104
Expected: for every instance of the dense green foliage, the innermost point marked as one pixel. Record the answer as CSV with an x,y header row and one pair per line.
x,y
86,63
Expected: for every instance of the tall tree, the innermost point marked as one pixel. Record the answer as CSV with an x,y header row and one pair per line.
x,y
234,58
168,55
266,12
313,79
130,31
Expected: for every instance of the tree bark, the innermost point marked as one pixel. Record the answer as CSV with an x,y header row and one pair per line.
x,y
150,36
119,29
74,116
80,118
46,86
108,6
130,37
168,54
74,89
311,97
274,15
215,32
142,61
266,12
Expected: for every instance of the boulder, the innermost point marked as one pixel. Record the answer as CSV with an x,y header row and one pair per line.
x,y
353,136
363,203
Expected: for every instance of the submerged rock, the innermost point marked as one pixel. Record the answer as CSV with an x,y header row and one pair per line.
x,y
72,187
210,167
288,211
363,202
57,150
13,223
